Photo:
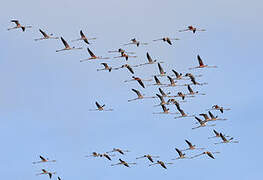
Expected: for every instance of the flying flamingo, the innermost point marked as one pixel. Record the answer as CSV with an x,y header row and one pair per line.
x,y
220,108
191,92
121,51
123,163
167,39
43,160
165,94
217,135
191,28
139,80
191,146
162,73
126,66
205,116
161,99
84,38
181,155
46,172
201,64
93,56
165,110
126,56
46,36
202,123
137,43
173,83
100,108
182,95
94,154
157,82
173,101
183,114
192,78
161,163
230,140
149,157
106,67
106,156
18,25
150,60
140,96
208,153
215,118
178,75
67,47
118,150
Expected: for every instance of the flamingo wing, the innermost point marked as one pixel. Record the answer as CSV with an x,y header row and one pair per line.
x,y
149,57
64,42
43,33
91,53
137,92
200,60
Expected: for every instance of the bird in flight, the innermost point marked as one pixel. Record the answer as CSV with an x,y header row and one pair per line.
x,y
84,38
181,155
100,108
43,160
163,102
67,47
123,163
106,67
165,110
167,39
215,118
92,56
191,92
183,114
139,80
150,60
139,96
191,28
225,140
220,108
208,153
178,75
18,25
191,146
161,163
94,154
201,64
46,172
149,157
45,36
126,56
202,123
192,78
129,67
165,94
173,83
217,135
157,82
137,43
121,51
161,71
118,150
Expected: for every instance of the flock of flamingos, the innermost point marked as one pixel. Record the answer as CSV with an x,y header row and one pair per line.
x,y
166,98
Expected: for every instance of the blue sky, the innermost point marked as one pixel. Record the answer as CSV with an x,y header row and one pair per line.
x,y
45,96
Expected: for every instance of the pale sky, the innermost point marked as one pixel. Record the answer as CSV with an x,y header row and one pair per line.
x,y
45,96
